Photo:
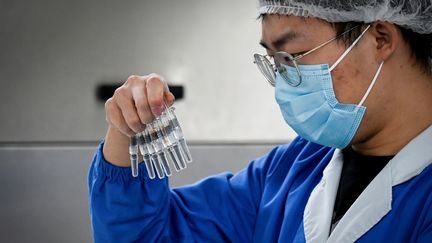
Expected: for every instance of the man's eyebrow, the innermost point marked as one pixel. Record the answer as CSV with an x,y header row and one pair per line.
x,y
281,40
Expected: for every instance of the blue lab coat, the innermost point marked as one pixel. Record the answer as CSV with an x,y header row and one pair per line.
x,y
285,196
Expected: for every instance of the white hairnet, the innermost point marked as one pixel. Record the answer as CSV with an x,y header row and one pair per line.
x,y
412,14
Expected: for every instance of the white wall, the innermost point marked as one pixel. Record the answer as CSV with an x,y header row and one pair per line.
x,y
53,53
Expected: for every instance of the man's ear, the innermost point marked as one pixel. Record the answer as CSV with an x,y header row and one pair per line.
x,y
387,38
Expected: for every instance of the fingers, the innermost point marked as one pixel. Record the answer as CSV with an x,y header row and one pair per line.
x,y
169,98
155,94
137,86
137,102
114,117
124,100
141,105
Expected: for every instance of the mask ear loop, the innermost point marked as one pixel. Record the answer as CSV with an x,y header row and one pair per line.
x,y
370,87
348,49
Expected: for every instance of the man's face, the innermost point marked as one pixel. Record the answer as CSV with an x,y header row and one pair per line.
x,y
351,78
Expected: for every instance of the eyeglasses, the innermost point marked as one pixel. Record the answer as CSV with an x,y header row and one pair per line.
x,y
269,69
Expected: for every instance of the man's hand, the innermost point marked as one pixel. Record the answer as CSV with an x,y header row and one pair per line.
x,y
137,102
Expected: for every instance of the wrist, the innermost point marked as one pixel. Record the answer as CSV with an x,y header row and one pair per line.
x,y
116,148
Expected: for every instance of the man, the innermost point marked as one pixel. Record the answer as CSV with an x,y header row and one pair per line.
x,y
354,81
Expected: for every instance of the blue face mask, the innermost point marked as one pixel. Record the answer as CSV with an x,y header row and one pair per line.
x,y
311,108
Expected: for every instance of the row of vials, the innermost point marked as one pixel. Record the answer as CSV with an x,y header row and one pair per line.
x,y
161,143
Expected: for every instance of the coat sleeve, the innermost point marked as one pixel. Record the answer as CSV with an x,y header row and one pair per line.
x,y
426,234
220,208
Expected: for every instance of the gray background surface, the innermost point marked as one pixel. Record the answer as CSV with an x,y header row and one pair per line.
x,y
53,54
43,188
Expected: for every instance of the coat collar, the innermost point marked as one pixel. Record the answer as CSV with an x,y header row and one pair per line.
x,y
372,204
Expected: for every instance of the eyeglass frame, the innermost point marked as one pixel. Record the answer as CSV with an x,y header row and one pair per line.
x,y
278,56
